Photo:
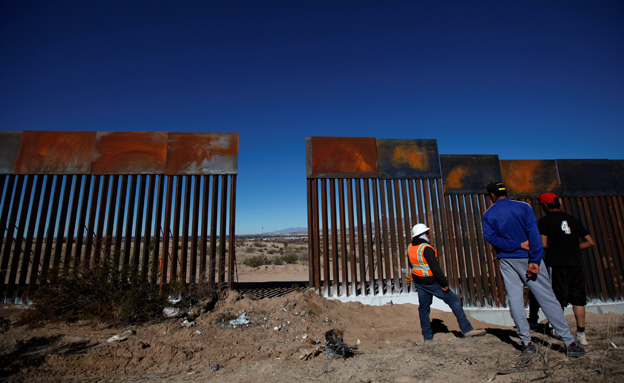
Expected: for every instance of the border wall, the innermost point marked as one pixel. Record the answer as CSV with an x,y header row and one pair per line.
x,y
364,195
75,199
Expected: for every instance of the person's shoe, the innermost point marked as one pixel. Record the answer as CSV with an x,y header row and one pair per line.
x,y
581,339
474,333
528,348
574,350
533,325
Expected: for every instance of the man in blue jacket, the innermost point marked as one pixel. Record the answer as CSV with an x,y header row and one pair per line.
x,y
510,226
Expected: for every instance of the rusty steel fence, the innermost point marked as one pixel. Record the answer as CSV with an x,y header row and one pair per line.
x,y
364,194
156,200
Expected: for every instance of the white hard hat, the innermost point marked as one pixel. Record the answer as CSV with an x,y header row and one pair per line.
x,y
419,229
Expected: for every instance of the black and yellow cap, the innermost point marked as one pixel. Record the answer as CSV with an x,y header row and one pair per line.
x,y
496,188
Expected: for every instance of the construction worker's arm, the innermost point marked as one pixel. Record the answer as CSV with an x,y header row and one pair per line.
x,y
432,261
588,242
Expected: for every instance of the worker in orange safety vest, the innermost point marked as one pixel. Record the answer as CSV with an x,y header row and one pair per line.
x,y
431,282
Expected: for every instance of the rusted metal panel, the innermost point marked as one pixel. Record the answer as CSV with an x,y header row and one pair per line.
x,y
469,174
55,152
586,177
9,147
408,159
130,153
618,175
202,153
341,157
530,178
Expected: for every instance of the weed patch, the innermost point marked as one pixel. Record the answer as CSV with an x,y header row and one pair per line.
x,y
105,293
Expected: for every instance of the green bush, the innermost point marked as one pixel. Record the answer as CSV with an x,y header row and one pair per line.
x,y
257,260
288,258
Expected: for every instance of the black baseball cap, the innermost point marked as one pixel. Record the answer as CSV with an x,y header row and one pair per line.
x,y
496,188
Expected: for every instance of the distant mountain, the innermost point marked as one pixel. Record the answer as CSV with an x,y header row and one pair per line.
x,y
289,230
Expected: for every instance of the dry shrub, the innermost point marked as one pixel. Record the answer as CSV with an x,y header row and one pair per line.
x,y
288,258
257,260
104,292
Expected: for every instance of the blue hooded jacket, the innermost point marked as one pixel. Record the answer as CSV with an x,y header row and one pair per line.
x,y
507,224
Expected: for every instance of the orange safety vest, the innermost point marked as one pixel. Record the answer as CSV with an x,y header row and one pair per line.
x,y
417,260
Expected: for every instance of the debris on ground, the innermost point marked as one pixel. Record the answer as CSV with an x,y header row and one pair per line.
x,y
336,347
121,337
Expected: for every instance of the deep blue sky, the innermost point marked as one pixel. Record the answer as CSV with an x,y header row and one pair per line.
x,y
521,79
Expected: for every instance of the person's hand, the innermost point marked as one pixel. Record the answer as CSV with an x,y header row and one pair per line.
x,y
525,245
445,289
532,270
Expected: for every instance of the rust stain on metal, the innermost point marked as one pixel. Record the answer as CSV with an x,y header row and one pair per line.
x,y
45,152
530,178
410,155
202,153
9,147
454,180
469,174
130,153
408,158
333,157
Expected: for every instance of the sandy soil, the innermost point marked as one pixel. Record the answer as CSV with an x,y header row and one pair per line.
x,y
284,341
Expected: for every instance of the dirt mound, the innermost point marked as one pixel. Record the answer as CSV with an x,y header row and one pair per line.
x,y
283,339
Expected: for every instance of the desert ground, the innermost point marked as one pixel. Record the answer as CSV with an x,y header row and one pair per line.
x,y
244,339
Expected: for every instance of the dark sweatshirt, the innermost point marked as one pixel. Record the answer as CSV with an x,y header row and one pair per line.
x,y
438,276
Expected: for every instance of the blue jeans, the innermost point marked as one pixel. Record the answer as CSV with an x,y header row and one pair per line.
x,y
425,297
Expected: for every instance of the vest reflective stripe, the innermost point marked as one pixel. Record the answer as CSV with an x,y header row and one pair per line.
x,y
417,260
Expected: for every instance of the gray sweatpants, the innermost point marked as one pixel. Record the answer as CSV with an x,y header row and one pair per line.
x,y
513,271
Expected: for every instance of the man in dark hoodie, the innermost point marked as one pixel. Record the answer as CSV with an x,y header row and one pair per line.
x,y
431,282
